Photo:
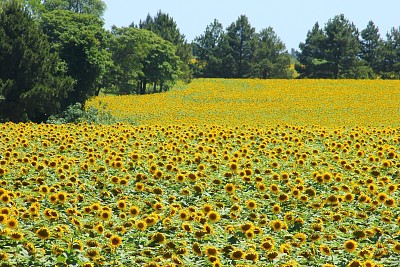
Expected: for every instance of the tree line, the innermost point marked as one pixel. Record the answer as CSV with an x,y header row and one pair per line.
x,y
339,50
55,53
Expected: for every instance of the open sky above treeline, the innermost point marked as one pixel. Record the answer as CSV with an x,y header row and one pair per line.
x,y
290,19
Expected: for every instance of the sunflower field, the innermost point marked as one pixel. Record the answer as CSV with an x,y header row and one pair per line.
x,y
214,173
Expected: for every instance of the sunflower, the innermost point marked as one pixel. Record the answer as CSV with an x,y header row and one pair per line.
x,y
350,245
283,197
77,245
99,228
267,245
249,234
213,216
230,188
3,218
134,211
237,254
211,251
141,225
285,248
207,208
381,197
180,178
17,236
186,227
274,188
300,237
196,248
325,250
348,197
158,238
390,202
61,197
43,233
92,253
276,225
396,247
105,215
251,256
247,226
276,208
251,204
272,255
184,215
233,166
11,223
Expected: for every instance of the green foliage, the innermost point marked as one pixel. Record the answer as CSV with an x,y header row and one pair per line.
x,y
240,52
240,36
371,47
337,51
164,26
81,42
271,59
94,7
207,49
32,81
391,55
77,114
141,57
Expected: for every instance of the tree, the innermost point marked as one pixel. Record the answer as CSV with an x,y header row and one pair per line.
x,y
391,55
164,26
371,47
206,49
141,57
94,7
32,81
271,59
81,42
333,52
240,38
342,47
312,62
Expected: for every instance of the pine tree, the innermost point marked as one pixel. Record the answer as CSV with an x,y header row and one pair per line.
x,y
371,47
32,81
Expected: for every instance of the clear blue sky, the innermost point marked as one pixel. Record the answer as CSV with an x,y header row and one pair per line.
x,y
290,19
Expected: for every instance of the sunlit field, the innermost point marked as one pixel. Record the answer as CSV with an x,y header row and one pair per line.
x,y
330,103
215,173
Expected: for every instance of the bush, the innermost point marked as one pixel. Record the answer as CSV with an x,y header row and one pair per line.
x,y
76,113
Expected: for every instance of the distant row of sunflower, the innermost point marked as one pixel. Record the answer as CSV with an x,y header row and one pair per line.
x,y
255,102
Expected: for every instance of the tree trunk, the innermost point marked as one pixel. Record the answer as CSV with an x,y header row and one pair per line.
x,y
154,88
143,87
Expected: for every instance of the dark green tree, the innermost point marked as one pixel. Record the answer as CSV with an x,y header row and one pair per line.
x,y
94,7
240,37
312,62
271,59
391,55
141,57
342,48
371,47
32,81
164,26
82,44
207,50
333,52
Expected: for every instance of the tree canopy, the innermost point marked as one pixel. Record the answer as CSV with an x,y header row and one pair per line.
x,y
339,50
240,52
33,83
141,57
